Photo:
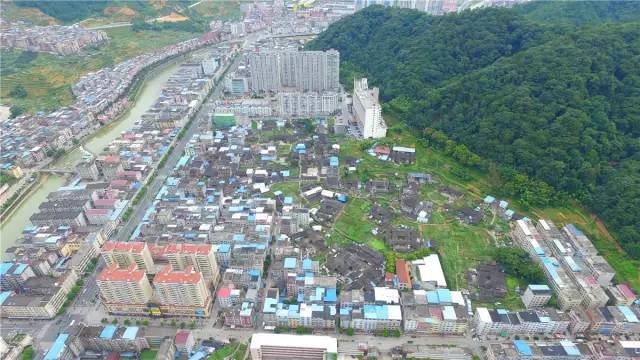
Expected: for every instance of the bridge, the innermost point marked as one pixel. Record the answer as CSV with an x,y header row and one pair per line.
x,y
57,171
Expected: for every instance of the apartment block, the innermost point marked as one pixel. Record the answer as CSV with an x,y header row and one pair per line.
x,y
536,296
182,292
125,290
201,257
124,254
548,321
367,110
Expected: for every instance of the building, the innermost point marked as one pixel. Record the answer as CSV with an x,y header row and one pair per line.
x,y
500,321
124,254
541,350
88,170
307,103
185,341
536,296
40,297
202,257
296,347
111,338
299,70
182,292
367,110
427,273
62,349
436,312
124,290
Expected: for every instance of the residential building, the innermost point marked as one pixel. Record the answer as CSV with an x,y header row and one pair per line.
x,y
536,296
427,273
182,292
124,254
124,290
367,110
296,347
201,256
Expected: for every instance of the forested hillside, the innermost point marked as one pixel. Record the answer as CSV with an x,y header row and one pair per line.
x,y
556,101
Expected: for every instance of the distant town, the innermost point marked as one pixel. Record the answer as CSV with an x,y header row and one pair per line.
x,y
224,223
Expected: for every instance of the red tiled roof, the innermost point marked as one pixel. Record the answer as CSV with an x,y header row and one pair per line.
x,y
188,249
114,273
168,276
402,270
626,291
182,337
119,246
224,292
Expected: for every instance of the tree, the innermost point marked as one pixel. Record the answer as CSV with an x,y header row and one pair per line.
x,y
127,322
19,92
15,111
114,321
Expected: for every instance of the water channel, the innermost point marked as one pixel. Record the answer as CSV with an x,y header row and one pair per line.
x,y
11,227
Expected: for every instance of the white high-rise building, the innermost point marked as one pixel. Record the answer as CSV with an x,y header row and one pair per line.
x,y
367,110
265,71
295,70
307,103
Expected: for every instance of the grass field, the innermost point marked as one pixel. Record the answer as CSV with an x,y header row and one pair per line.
x,y
352,224
48,78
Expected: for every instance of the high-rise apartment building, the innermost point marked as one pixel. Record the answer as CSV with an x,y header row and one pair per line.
x,y
307,103
295,70
124,254
201,256
124,290
182,292
367,110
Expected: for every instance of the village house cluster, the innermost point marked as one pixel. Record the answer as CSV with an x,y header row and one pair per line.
x,y
33,139
55,39
70,227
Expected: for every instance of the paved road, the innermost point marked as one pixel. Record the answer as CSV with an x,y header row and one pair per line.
x,y
201,116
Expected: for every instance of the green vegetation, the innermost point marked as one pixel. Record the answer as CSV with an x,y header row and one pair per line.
x,y
516,262
27,353
496,84
66,11
46,79
233,348
75,290
586,12
148,354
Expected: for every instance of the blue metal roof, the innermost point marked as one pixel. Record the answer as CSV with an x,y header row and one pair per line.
x,y
570,348
57,347
4,295
108,332
290,263
523,348
4,267
130,333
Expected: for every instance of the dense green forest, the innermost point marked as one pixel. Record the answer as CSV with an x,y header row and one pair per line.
x,y
549,90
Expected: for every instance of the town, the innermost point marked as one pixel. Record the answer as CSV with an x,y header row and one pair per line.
x,y
260,210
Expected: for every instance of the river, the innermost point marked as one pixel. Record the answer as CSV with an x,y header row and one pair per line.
x,y
11,227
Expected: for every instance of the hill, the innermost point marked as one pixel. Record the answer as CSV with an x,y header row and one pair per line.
x,y
554,101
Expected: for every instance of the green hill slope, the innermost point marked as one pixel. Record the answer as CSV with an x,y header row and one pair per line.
x,y
557,102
